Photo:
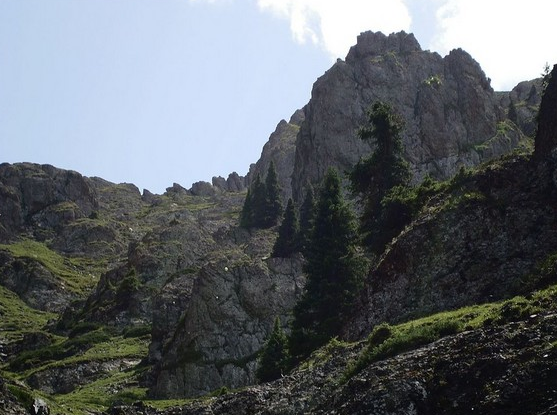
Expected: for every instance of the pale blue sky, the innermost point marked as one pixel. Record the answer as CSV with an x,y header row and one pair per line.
x,y
160,91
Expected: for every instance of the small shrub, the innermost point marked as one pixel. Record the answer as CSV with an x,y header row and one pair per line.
x,y
83,327
379,334
386,341
220,392
137,331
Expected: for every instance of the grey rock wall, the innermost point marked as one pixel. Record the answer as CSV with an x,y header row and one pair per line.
x,y
451,113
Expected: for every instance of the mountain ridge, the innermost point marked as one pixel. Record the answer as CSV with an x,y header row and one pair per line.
x,y
193,296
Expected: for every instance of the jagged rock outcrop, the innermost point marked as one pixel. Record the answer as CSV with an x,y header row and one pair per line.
x,y
546,136
522,104
203,189
234,183
450,111
281,149
34,283
233,303
42,197
477,245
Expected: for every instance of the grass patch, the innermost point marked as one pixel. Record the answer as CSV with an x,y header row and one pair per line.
x,y
17,318
57,352
118,387
74,273
23,395
324,354
387,341
141,330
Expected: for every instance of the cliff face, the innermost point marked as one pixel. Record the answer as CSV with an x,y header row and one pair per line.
x,y
42,197
478,243
280,149
450,111
230,314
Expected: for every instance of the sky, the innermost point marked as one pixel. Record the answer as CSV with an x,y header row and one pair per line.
x,y
156,92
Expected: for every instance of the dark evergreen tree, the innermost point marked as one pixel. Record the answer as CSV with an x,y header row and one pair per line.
x,y
258,203
512,114
373,177
307,217
273,209
262,206
246,216
287,240
273,360
334,272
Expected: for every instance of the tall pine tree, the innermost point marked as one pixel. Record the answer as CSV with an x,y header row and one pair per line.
x,y
273,208
274,359
246,216
307,217
373,177
334,271
259,203
287,240
262,206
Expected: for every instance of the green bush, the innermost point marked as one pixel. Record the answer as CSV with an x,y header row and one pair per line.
x,y
83,327
137,331
386,341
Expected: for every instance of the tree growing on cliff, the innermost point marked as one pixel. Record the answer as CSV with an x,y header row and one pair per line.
x,y
334,270
288,234
274,358
273,208
246,215
262,207
373,177
307,218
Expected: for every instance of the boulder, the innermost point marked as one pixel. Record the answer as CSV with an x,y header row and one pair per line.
x,y
235,182
203,189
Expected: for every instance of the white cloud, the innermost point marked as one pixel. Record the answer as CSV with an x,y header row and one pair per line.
x,y
511,40
334,24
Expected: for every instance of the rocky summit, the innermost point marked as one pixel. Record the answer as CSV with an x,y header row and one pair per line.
x,y
114,301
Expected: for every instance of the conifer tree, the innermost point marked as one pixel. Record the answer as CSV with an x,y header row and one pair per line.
x,y
334,271
246,216
273,360
262,206
373,177
307,217
287,240
273,209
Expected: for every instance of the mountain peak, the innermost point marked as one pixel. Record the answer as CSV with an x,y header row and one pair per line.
x,y
376,43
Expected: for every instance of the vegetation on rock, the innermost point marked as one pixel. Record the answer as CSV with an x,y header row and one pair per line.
x,y
262,206
373,177
334,270
274,358
288,237
307,219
